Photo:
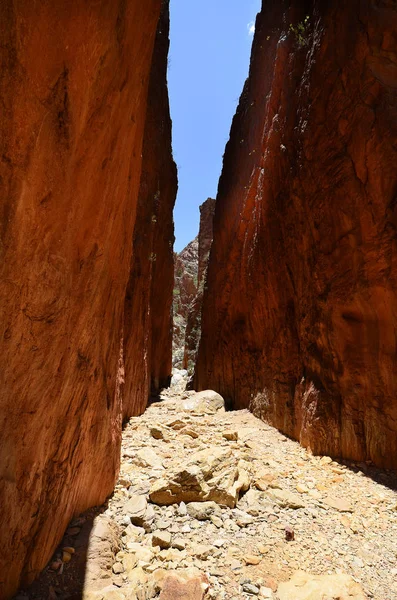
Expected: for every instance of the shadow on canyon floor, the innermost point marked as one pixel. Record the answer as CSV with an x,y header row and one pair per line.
x,y
383,477
66,583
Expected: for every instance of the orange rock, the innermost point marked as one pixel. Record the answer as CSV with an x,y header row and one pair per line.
x,y
74,82
147,338
300,306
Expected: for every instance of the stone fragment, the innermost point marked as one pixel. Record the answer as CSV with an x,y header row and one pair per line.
x,y
146,457
249,588
184,585
251,559
202,551
206,402
130,562
286,499
140,513
118,568
66,557
231,436
190,432
266,593
340,504
157,433
303,586
177,424
201,511
178,543
289,534
161,538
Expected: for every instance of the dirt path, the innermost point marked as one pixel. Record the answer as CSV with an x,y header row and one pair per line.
x,y
295,512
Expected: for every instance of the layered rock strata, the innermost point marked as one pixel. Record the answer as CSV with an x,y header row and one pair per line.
x,y
193,323
300,315
148,305
73,83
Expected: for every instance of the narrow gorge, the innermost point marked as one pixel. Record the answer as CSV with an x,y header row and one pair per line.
x,y
219,423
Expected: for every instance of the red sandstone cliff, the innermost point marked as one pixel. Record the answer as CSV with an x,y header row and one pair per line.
x,y
300,315
193,322
148,306
73,85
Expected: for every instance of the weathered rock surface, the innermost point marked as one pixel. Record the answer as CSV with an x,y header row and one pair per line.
x,y
303,586
300,311
185,289
193,322
73,83
148,304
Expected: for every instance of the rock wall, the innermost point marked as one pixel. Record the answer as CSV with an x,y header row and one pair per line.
x,y
185,289
73,84
148,306
300,314
193,323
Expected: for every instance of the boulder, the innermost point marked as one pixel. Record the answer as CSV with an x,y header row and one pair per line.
x,y
205,402
210,474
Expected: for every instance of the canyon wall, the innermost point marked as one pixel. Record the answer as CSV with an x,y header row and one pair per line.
x,y
193,322
300,311
148,305
73,83
185,289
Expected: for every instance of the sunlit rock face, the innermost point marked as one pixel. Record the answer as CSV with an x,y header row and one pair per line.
x,y
148,306
74,80
193,320
300,311
185,290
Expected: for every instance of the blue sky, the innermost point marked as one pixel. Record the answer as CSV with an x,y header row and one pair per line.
x,y
208,63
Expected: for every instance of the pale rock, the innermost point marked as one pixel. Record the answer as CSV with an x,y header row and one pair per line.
x,y
340,504
249,588
206,402
201,511
286,499
146,457
178,543
202,551
303,586
216,521
266,593
251,559
118,568
161,539
210,474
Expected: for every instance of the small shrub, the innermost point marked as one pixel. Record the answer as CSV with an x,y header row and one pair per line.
x,y
301,31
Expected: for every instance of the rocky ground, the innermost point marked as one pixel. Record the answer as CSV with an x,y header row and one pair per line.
x,y
219,505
